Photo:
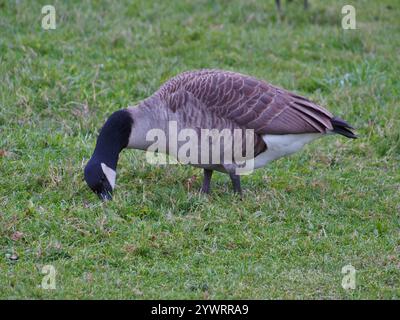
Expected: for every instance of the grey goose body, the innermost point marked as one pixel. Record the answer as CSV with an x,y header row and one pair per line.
x,y
280,123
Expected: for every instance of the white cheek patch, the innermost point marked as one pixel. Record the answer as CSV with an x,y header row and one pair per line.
x,y
110,174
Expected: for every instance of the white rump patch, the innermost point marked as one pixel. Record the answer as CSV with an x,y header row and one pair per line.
x,y
110,174
282,145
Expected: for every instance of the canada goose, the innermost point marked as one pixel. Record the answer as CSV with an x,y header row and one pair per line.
x,y
281,123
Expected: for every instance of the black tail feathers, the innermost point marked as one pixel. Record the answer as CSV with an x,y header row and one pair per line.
x,y
342,127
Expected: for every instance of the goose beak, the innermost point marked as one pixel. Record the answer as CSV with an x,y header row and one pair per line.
x,y
105,196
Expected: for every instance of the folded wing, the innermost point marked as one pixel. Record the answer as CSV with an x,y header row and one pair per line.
x,y
251,103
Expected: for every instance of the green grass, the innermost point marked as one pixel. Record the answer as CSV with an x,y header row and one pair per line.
x,y
301,219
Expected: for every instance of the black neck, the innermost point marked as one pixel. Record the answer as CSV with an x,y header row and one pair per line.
x,y
113,137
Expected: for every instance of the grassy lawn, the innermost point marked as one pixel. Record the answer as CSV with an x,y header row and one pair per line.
x,y
302,218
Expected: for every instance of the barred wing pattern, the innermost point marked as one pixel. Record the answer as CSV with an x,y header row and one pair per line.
x,y
190,112
244,101
251,103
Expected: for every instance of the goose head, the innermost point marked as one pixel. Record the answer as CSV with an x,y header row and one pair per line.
x,y
101,170
100,178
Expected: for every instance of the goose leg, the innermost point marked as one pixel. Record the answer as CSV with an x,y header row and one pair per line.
x,y
278,5
206,182
236,183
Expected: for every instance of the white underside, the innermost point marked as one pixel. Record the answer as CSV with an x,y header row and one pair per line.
x,y
282,145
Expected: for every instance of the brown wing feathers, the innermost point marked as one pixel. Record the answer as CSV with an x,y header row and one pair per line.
x,y
251,103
